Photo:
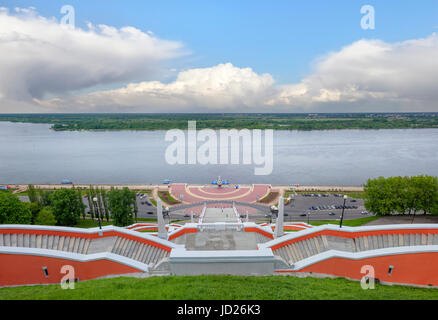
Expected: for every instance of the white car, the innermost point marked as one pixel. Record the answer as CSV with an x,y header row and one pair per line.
x,y
364,212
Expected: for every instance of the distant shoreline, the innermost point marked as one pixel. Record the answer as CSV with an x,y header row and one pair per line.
x,y
162,186
283,122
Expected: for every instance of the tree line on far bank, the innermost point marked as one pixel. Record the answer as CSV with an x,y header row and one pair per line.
x,y
402,195
64,207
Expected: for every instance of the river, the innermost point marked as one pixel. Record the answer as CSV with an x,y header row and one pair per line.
x,y
32,153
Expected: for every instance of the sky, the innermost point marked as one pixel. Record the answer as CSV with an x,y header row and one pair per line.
x,y
218,56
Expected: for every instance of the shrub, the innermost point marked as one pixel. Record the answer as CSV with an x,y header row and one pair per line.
x,y
45,217
67,207
13,211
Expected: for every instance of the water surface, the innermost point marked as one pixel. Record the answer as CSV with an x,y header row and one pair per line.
x,y
32,153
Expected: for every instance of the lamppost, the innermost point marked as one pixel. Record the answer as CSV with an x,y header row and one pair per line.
x,y
343,208
308,217
98,213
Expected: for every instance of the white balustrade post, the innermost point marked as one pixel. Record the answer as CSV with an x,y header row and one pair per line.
x,y
162,232
279,231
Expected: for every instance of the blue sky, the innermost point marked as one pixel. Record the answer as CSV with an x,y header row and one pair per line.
x,y
219,56
282,38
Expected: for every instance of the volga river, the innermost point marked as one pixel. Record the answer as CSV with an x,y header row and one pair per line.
x,y
32,153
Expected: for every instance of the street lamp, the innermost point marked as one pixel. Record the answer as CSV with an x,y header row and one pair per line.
x,y
98,213
308,216
343,208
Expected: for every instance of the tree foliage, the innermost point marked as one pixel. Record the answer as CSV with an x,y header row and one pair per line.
x,y
32,193
67,208
400,195
45,198
45,217
34,208
12,210
122,206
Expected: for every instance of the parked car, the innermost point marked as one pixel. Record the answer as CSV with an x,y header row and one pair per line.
x,y
303,215
364,212
331,213
150,212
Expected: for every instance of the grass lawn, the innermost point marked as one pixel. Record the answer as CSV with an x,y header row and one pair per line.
x,y
350,223
146,219
351,194
271,196
167,198
218,287
89,223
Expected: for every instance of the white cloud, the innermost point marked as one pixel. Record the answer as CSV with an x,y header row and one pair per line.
x,y
367,75
220,87
40,56
403,75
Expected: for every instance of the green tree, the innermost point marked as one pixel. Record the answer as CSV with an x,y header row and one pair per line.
x,y
401,195
79,193
45,217
34,208
121,205
379,196
45,198
66,207
12,210
32,194
90,201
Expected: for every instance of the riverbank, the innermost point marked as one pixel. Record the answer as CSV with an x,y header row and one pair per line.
x,y
284,121
140,187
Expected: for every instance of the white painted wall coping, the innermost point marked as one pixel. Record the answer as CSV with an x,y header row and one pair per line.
x,y
309,231
182,255
92,231
362,254
75,256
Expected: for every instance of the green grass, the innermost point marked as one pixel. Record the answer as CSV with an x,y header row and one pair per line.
x,y
146,220
167,198
147,191
351,194
271,196
218,287
350,223
89,223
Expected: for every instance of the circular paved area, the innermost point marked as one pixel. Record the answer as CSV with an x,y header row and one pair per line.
x,y
196,194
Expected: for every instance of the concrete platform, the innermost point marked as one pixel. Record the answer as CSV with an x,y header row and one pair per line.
x,y
218,240
220,215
